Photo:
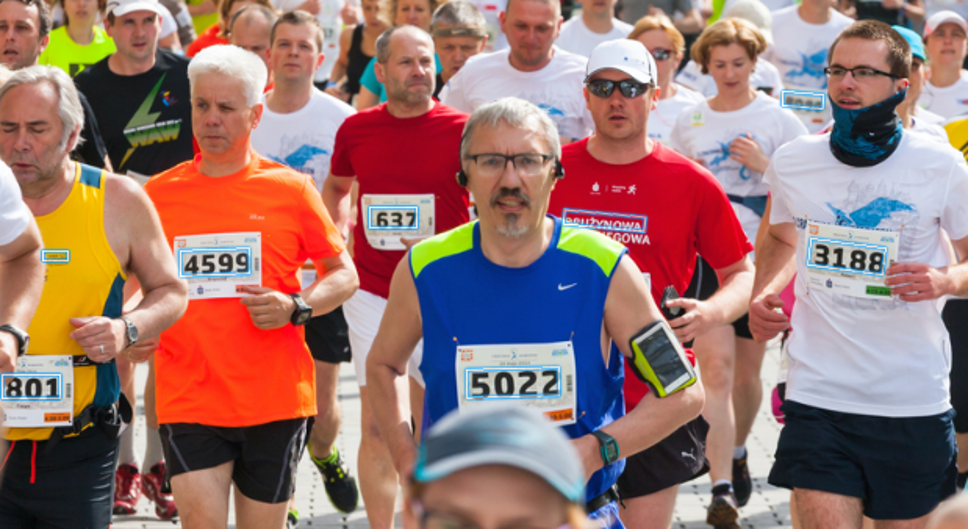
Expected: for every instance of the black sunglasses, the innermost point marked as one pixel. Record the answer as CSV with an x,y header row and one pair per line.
x,y
628,87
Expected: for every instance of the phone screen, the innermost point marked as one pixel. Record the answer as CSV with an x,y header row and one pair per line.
x,y
663,358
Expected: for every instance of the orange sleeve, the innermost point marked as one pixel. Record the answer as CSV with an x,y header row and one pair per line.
x,y
320,238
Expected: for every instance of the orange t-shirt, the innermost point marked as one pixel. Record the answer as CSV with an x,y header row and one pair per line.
x,y
213,366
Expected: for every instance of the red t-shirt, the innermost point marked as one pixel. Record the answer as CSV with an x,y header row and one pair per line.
x,y
664,208
393,156
209,37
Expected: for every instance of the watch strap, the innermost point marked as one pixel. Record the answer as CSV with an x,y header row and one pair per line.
x,y
22,338
130,332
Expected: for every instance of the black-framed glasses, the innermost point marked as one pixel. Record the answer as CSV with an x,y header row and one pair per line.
x,y
660,54
628,87
492,164
862,73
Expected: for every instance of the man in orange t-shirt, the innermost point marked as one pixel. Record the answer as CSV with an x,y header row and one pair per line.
x,y
235,380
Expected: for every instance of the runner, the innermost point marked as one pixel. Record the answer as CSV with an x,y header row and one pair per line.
x,y
533,69
61,464
219,33
81,42
485,295
460,32
597,24
401,187
298,128
912,116
947,46
496,467
663,208
329,15
867,397
230,413
667,46
250,30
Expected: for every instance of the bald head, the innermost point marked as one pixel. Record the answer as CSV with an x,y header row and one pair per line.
x,y
555,5
404,36
250,29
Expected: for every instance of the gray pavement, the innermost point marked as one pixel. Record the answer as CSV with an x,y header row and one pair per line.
x,y
768,507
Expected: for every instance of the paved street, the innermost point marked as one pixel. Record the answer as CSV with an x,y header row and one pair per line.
x,y
769,507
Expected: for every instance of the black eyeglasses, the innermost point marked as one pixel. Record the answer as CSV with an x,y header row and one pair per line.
x,y
862,73
493,164
660,54
628,87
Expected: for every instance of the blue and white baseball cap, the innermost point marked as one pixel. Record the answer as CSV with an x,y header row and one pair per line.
x,y
629,56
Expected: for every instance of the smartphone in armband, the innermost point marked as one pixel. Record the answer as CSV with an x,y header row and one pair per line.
x,y
659,360
668,295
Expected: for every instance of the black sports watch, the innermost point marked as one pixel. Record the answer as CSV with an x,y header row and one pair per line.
x,y
303,312
609,447
23,340
131,332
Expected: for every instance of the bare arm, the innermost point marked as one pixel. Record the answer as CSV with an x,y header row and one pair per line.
x,y
21,283
775,268
386,367
336,281
339,69
366,99
338,201
921,282
691,22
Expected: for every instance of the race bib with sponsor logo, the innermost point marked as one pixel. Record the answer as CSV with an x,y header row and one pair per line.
x,y
218,265
388,218
39,394
849,261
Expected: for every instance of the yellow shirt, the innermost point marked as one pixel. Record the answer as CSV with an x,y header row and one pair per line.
x,y
70,56
958,135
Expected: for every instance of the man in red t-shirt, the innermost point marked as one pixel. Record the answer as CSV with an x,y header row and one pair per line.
x,y
404,155
665,208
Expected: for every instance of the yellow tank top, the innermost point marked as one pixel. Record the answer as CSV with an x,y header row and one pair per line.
x,y
90,284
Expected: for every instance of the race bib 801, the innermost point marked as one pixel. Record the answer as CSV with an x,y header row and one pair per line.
x,y
39,393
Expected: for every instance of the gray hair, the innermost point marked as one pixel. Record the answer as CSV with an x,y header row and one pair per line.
x,y
513,112
234,62
458,13
69,108
383,41
248,13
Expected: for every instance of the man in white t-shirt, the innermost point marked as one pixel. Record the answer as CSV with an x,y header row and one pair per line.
x,y
858,214
595,25
21,272
298,129
946,92
532,69
250,29
802,36
329,13
460,32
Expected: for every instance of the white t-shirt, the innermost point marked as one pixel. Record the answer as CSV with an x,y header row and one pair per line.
x,y
14,214
888,357
556,88
702,133
491,9
332,24
663,118
168,23
933,130
764,75
800,48
302,139
577,38
946,102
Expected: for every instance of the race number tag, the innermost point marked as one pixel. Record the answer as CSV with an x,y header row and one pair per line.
x,y
540,376
39,393
219,265
849,261
387,218
810,105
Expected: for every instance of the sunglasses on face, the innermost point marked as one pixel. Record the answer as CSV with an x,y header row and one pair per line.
x,y
628,87
660,54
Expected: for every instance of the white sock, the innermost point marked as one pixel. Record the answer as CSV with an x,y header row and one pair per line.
x,y
739,452
723,482
126,448
153,453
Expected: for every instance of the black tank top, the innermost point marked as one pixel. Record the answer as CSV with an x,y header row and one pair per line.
x,y
357,62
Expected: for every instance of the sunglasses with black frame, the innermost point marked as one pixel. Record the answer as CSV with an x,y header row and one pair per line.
x,y
628,87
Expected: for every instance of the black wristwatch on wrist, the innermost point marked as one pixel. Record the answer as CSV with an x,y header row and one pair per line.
x,y
23,340
303,312
609,447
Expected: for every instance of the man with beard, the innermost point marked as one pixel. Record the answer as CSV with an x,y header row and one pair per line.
x,y
403,154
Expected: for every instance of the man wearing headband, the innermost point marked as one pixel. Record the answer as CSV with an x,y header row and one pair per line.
x,y
460,33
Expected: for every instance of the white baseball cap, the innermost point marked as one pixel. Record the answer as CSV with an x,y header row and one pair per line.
x,y
119,8
629,56
944,17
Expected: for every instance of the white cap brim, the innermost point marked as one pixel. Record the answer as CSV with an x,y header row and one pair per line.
x,y
951,18
636,73
124,9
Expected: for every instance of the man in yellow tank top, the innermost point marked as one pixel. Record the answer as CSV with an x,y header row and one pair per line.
x,y
62,410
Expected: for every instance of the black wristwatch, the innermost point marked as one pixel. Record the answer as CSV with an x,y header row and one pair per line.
x,y
130,332
303,312
23,340
609,447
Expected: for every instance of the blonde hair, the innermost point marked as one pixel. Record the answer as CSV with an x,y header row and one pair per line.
x,y
388,11
724,32
660,22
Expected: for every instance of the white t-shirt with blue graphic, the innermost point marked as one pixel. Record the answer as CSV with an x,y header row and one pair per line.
x,y
302,139
800,48
947,102
556,88
881,357
663,119
705,134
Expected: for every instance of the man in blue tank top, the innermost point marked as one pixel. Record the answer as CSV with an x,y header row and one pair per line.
x,y
517,307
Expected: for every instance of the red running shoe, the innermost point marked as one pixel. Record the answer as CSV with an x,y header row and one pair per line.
x,y
127,489
157,490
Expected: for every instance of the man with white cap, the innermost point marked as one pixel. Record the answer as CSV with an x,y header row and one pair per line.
x,y
946,45
687,211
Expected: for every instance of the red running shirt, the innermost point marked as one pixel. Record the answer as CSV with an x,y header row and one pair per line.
x,y
664,208
393,156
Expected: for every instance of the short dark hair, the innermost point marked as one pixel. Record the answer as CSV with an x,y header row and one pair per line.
x,y
43,14
299,18
898,49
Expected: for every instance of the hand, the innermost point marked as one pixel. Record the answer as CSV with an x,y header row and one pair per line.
x,y
141,351
338,93
749,153
590,453
269,309
766,317
411,242
918,282
699,318
657,12
101,338
892,4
